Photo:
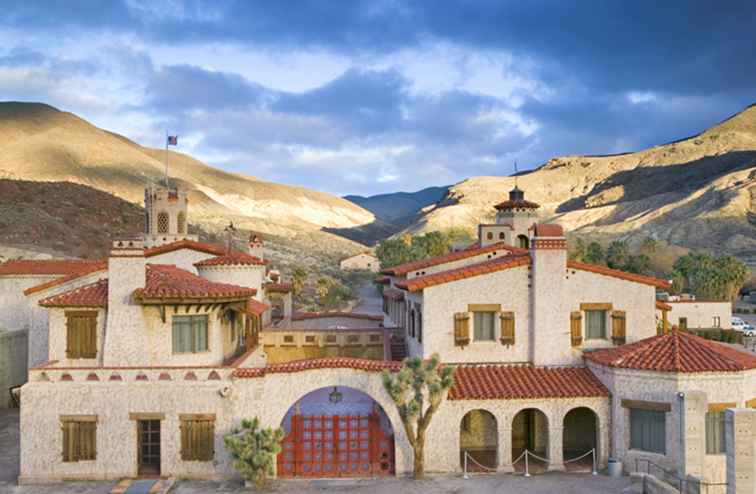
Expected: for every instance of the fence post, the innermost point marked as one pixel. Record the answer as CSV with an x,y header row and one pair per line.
x,y
527,472
593,455
465,476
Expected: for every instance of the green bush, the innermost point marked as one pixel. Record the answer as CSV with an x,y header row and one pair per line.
x,y
254,450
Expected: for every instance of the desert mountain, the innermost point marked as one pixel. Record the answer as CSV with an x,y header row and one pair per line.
x,y
697,192
399,207
41,143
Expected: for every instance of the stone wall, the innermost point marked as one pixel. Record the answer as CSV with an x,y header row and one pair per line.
x,y
13,353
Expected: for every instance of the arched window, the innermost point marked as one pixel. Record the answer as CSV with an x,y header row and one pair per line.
x,y
501,235
522,241
162,222
490,235
181,223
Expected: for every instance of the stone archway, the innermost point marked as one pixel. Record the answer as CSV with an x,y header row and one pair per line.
x,y
580,435
336,431
478,437
523,241
530,431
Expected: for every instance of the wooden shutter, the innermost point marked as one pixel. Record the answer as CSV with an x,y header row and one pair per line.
x,y
79,438
507,320
751,403
461,328
576,328
81,334
69,447
198,438
618,327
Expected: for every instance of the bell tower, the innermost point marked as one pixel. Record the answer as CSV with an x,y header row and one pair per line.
x,y
513,219
165,216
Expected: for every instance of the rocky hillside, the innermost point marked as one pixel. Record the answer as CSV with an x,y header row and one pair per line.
x,y
698,192
399,207
42,143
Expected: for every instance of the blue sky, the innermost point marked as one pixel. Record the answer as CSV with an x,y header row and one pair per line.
x,y
379,96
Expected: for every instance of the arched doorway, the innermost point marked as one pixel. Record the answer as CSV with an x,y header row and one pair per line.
x,y
530,431
580,436
522,241
336,432
479,437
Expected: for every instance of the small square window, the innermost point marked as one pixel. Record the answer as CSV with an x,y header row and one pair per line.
x,y
484,324
595,324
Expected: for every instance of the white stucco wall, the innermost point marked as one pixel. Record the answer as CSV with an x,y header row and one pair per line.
x,y
182,258
13,369
701,314
246,276
16,308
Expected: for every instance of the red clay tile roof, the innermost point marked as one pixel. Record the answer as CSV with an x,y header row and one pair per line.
x,y
512,382
166,281
256,307
450,257
676,351
616,273
383,280
472,382
92,295
277,287
301,316
92,268
662,305
485,267
548,230
320,363
185,244
47,266
393,294
509,204
234,258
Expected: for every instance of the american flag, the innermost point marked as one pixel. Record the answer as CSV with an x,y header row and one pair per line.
x,y
172,141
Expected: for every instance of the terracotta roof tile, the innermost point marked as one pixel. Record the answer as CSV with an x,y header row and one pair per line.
x,y
450,257
92,295
256,307
485,267
277,287
167,281
234,258
548,230
185,244
660,305
393,294
522,203
321,363
301,316
383,280
676,351
92,268
616,273
47,266
511,382
472,382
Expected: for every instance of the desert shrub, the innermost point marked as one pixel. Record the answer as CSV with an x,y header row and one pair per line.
x,y
254,450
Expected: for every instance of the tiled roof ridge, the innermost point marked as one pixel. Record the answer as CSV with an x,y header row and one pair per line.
x,y
617,273
318,363
63,267
450,257
484,267
101,265
160,276
232,258
687,353
185,244
89,295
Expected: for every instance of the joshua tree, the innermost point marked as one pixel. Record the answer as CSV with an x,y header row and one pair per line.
x,y
254,450
409,388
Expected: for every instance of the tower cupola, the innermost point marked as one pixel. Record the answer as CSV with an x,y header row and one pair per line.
x,y
513,219
166,218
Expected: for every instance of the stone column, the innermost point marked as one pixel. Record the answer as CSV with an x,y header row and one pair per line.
x,y
740,438
505,449
691,407
556,457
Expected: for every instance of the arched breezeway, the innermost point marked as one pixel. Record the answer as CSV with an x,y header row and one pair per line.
x,y
530,431
580,435
478,437
336,431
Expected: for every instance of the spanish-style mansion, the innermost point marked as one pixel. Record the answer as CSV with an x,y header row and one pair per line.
x,y
141,363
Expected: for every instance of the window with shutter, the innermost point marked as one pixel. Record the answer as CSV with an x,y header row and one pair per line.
x,y
79,437
197,437
618,327
189,334
507,321
648,430
81,334
576,328
462,329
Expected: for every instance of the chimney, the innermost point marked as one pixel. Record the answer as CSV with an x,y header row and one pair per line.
x,y
255,247
125,330
550,335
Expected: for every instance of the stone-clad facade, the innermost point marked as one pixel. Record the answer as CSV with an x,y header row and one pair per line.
x,y
551,356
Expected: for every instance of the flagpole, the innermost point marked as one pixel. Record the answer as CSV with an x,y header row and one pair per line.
x,y
515,168
166,160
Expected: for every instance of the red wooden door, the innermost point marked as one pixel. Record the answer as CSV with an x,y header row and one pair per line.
x,y
336,446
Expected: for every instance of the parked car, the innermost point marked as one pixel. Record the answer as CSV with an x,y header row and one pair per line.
x,y
739,324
